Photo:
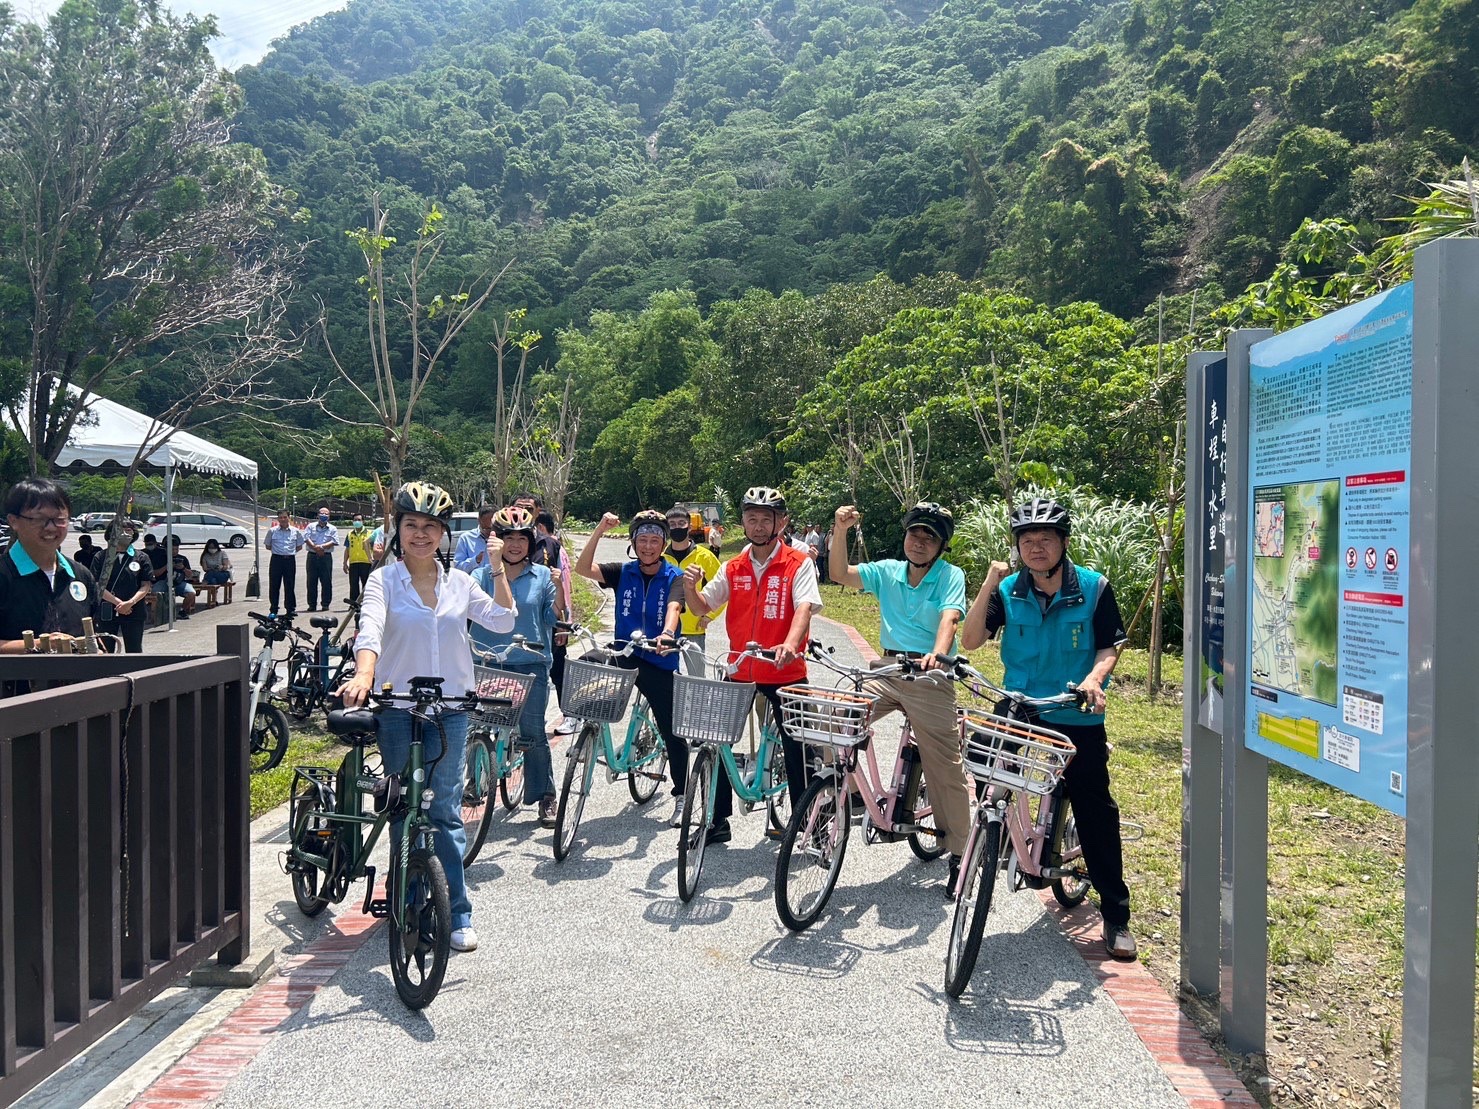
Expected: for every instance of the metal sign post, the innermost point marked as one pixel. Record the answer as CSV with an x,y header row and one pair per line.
x,y
1443,657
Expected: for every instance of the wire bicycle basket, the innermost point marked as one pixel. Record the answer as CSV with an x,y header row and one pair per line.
x,y
830,717
1003,752
491,682
595,691
706,710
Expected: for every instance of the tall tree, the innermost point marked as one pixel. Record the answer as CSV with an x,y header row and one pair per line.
x,y
130,224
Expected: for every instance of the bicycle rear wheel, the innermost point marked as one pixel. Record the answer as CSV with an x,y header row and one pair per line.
x,y
314,833
477,795
648,756
511,782
576,787
927,846
299,697
269,738
421,939
976,884
693,832
811,853
1064,848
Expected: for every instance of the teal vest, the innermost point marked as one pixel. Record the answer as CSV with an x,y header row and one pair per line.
x,y
1044,651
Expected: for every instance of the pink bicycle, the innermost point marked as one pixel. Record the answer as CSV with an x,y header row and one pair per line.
x,y
1014,760
836,721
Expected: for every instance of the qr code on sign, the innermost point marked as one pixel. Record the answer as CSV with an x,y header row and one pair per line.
x,y
1396,782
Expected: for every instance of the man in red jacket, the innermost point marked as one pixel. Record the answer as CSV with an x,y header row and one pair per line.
x,y
771,591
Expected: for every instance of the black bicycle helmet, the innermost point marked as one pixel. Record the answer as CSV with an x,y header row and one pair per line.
x,y
935,517
513,520
425,499
763,496
648,518
1041,512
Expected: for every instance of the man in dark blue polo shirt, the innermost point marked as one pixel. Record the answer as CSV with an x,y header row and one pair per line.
x,y
41,590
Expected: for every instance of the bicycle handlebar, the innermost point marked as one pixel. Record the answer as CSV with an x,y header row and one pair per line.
x,y
962,671
501,652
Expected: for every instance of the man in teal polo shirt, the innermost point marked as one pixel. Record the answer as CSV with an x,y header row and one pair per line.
x,y
921,600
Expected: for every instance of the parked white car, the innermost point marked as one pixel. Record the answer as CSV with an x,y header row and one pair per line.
x,y
462,523
196,527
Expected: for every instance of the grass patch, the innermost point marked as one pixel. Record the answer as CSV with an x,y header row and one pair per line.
x,y
1336,874
308,745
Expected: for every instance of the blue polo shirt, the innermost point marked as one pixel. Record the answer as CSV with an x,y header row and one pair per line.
x,y
909,616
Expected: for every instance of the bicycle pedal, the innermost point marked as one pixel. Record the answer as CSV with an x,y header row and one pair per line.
x,y
379,908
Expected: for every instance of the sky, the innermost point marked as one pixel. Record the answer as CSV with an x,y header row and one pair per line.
x,y
247,26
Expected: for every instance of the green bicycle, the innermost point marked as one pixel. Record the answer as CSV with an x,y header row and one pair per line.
x,y
331,838
596,694
712,715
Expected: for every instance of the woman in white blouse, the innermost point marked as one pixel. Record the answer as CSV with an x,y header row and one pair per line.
x,y
413,623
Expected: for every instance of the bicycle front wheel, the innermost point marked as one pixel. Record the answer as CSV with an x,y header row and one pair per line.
x,y
1063,849
576,787
299,699
778,804
693,834
269,738
811,853
477,795
648,758
420,929
975,886
511,781
926,845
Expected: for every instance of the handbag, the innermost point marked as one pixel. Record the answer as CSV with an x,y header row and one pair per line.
x,y
253,585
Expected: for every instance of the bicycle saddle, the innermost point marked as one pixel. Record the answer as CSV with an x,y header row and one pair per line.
x,y
354,723
323,622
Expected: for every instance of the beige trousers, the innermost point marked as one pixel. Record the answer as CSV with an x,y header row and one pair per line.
x,y
929,706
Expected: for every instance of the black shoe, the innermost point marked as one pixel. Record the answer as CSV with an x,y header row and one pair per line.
x,y
1119,942
954,879
718,833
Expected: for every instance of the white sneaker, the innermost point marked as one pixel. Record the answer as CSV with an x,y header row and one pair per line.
x,y
676,820
464,939
566,727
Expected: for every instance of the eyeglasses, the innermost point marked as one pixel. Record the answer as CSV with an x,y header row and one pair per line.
x,y
49,521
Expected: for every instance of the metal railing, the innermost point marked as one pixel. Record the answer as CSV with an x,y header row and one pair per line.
x,y
124,840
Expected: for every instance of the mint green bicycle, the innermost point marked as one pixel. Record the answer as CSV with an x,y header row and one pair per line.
x,y
713,716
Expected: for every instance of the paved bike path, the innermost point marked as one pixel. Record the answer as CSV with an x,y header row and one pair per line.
x,y
594,982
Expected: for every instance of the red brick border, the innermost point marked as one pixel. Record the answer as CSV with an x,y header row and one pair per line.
x,y
205,1071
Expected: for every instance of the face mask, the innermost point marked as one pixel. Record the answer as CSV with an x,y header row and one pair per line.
x,y
359,525
322,520
678,535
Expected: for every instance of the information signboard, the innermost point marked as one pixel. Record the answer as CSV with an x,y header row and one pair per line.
x,y
1214,543
1329,466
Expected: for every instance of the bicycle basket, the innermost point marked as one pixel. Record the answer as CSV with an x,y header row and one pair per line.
x,y
1009,753
490,682
832,717
710,711
596,692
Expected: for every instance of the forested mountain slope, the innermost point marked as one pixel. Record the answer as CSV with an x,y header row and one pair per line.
x,y
1063,149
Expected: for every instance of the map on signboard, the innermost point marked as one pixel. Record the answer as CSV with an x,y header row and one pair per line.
x,y
1296,588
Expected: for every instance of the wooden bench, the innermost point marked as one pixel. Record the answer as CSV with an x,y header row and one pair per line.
x,y
211,590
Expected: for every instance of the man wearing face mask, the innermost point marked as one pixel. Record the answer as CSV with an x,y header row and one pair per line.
x,y
683,552
359,556
320,538
921,599
1059,623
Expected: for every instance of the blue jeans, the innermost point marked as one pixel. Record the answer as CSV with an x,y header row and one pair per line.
x,y
446,783
539,777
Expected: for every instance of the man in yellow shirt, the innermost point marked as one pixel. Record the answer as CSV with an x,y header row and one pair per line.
x,y
358,556
683,552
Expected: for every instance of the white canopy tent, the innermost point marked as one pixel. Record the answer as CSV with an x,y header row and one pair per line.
x,y
110,433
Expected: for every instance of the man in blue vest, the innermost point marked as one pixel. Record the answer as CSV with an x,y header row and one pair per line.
x,y
1059,623
649,600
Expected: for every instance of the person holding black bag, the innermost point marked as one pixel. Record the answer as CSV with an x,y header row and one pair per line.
x,y
123,579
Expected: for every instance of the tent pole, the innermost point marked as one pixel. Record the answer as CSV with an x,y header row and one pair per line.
x,y
256,532
169,541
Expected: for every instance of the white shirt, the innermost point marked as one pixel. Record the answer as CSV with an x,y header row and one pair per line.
x,y
804,589
412,641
